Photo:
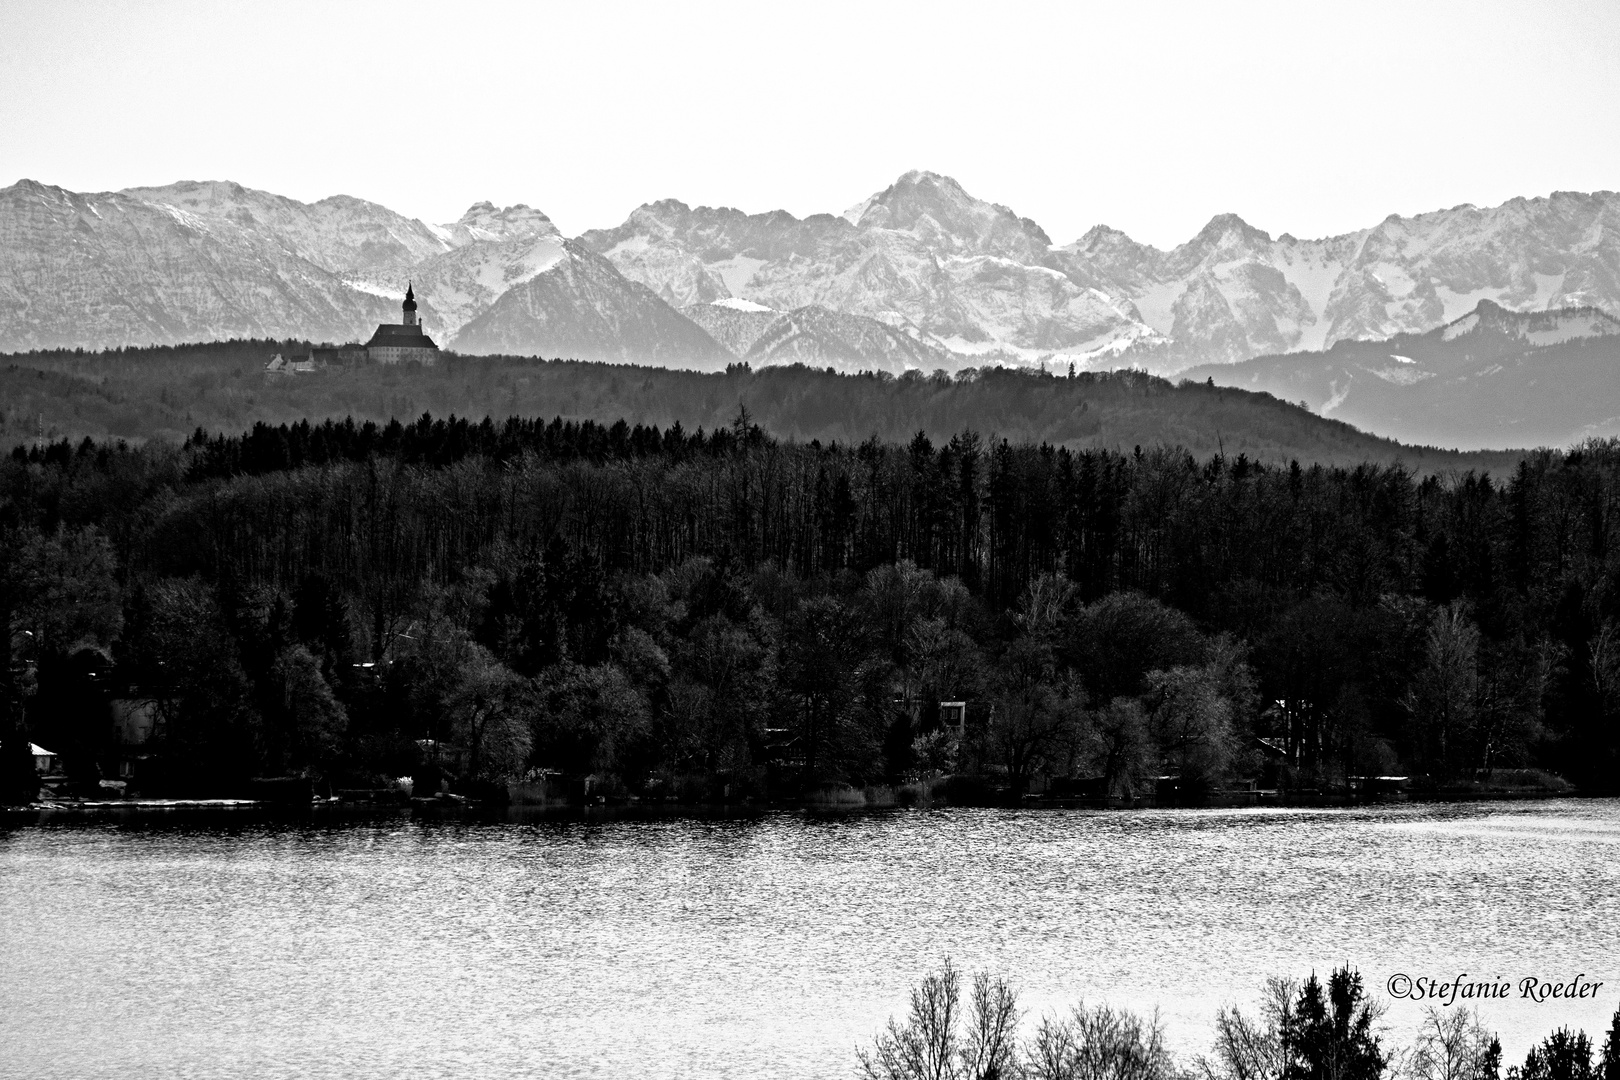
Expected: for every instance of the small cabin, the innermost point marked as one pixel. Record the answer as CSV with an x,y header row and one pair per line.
x,y
45,762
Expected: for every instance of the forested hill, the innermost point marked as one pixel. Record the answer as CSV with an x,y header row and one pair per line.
x,y
671,612
169,392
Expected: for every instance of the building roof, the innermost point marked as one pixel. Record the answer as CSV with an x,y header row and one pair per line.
x,y
39,751
400,336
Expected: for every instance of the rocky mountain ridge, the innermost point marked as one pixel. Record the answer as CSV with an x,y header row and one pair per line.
x,y
919,274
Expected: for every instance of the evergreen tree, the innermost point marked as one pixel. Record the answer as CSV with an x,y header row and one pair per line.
x,y
1329,1036
1563,1055
1609,1063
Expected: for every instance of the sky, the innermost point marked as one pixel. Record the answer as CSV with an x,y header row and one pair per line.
x,y
1151,116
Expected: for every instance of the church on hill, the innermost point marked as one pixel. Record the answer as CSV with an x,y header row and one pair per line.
x,y
395,343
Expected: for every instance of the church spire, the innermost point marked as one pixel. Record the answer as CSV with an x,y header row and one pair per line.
x,y
409,305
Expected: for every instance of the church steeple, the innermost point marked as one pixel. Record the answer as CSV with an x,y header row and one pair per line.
x,y
403,342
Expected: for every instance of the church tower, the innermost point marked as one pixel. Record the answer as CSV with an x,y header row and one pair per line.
x,y
397,343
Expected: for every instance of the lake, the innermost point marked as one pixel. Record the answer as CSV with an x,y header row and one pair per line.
x,y
762,946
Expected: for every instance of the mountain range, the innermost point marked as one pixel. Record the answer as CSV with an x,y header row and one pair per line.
x,y
920,275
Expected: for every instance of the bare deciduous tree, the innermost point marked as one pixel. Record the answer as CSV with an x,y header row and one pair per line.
x,y
1250,1048
1452,1044
939,1042
1099,1043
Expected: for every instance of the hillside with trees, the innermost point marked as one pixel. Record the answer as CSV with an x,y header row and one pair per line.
x,y
676,612
168,392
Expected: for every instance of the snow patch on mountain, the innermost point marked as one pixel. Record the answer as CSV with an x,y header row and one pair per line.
x,y
1402,376
738,304
371,288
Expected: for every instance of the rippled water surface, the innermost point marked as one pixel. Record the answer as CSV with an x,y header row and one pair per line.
x,y
767,946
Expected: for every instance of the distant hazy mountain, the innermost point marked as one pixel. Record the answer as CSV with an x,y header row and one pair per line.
x,y
1491,378
574,303
735,324
956,280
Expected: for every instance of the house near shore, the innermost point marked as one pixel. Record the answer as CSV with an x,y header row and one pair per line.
x,y
45,762
391,343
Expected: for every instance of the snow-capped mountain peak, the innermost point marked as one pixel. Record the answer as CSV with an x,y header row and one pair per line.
x,y
483,221
1230,231
937,210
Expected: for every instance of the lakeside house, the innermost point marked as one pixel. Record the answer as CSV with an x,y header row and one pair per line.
x,y
45,762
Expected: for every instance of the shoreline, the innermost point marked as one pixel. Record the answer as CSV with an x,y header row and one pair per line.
x,y
42,812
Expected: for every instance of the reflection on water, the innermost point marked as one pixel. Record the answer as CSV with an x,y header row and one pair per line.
x,y
750,947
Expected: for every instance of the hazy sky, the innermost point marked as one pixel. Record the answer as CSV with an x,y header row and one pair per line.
x,y
1301,116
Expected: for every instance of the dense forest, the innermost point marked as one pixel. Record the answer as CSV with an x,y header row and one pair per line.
x,y
726,614
168,392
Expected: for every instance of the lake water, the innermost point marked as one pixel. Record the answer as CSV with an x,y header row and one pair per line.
x,y
768,946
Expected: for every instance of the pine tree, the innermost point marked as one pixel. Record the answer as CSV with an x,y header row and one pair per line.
x,y
1331,1037
1563,1055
